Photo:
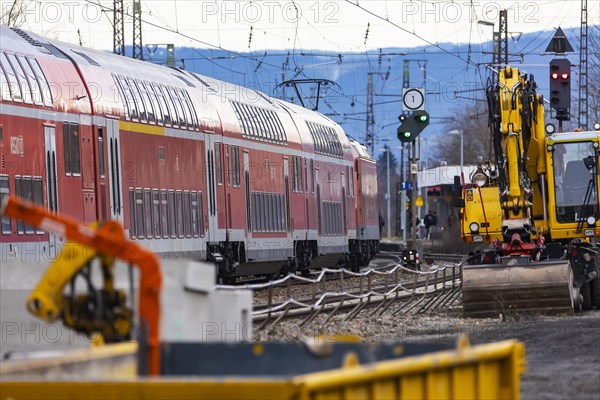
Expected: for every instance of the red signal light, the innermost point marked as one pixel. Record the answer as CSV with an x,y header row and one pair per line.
x,y
564,75
554,75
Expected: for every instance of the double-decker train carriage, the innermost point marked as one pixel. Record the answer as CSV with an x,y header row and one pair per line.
x,y
191,166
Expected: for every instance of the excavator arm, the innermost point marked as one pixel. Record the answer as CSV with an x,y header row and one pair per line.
x,y
103,311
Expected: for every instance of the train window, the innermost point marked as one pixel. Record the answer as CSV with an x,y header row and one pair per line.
x,y
241,118
172,222
178,107
156,213
253,206
146,100
154,99
38,196
18,194
74,146
187,119
180,222
263,212
201,214
351,181
270,127
187,217
219,169
300,179
139,214
101,165
133,111
167,107
186,109
194,214
4,88
36,92
27,194
251,119
273,211
227,166
306,174
148,212
312,175
13,83
348,177
132,213
23,84
175,112
4,192
66,148
235,162
46,92
122,97
192,110
163,214
137,99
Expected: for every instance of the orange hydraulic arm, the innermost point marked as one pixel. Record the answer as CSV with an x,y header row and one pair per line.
x,y
108,240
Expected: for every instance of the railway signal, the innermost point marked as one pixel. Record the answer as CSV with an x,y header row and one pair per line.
x,y
560,87
412,125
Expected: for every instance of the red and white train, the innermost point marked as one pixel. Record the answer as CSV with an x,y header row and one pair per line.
x,y
190,165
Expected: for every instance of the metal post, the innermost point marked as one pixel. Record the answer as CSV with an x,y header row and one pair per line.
x,y
413,192
462,152
388,195
403,194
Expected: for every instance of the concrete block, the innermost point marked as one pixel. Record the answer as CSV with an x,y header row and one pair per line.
x,y
230,317
200,276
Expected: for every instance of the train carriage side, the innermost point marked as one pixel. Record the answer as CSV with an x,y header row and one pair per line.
x,y
366,242
328,170
151,139
258,151
45,124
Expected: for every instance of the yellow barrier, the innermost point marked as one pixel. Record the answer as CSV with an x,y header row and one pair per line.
x,y
489,371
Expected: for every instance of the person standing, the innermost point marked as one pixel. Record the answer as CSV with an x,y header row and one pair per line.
x,y
429,222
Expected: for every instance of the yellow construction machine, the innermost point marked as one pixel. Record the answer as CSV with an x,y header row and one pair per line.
x,y
533,209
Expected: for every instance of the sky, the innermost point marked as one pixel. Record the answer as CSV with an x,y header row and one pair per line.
x,y
299,25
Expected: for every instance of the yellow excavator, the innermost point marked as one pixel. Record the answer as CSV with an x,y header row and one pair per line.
x,y
533,210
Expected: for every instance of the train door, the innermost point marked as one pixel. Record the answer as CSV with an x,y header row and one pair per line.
x,y
286,180
211,184
247,190
51,189
344,215
318,201
114,168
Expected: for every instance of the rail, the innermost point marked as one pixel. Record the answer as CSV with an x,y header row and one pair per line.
x,y
398,289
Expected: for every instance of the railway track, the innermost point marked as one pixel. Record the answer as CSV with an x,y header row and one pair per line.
x,y
387,287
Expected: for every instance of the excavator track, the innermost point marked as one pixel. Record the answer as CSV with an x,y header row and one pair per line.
x,y
543,288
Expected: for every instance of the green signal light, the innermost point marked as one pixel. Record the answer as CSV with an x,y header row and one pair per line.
x,y
423,118
407,134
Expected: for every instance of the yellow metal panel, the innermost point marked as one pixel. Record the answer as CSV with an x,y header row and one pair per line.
x,y
325,395
148,390
141,128
358,392
485,371
488,377
387,389
464,382
412,387
438,385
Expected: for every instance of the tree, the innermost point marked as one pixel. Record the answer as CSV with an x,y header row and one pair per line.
x,y
382,169
13,15
473,121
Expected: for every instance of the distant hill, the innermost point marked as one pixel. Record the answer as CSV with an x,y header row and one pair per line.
x,y
451,83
